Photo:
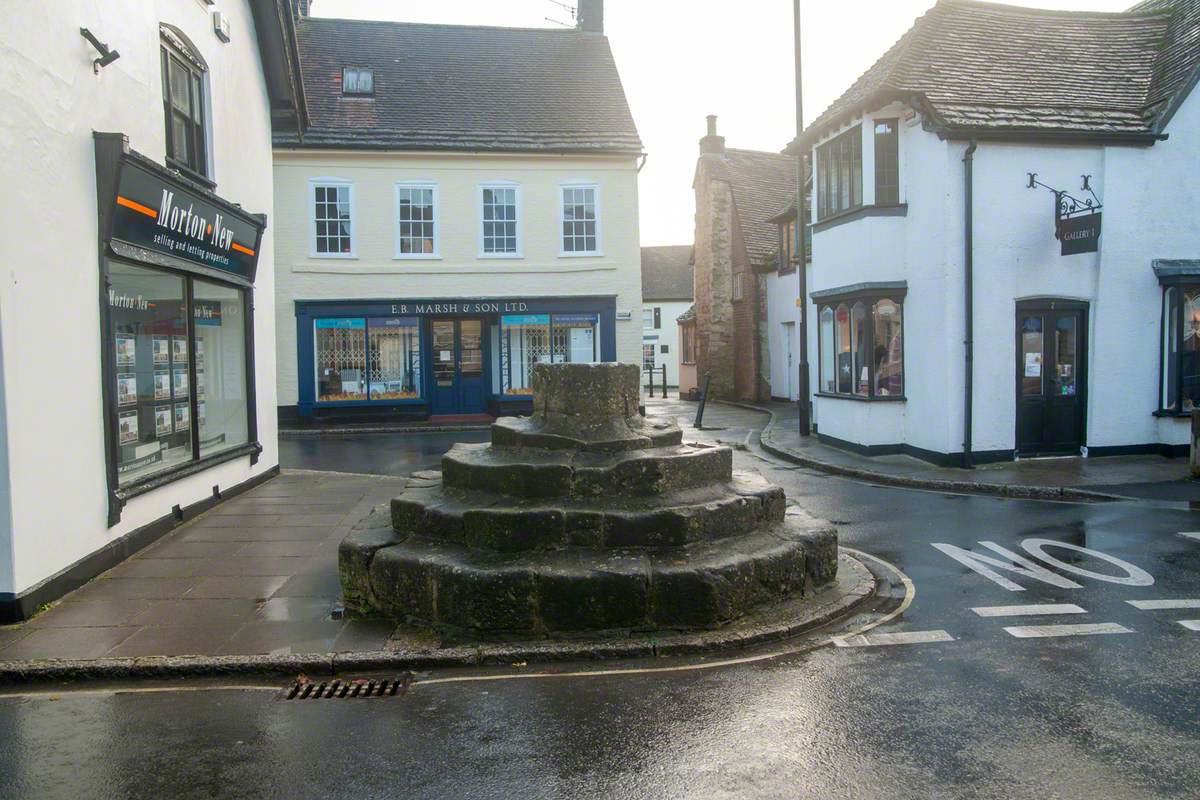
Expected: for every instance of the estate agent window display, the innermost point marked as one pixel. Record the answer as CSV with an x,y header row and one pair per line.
x,y
177,269
1180,357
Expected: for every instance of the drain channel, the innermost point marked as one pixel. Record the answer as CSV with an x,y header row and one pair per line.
x,y
305,689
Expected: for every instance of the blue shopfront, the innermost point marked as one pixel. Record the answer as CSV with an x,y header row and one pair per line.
x,y
422,358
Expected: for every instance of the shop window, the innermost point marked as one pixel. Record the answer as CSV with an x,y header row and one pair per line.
x,y
524,341
333,219
341,348
861,347
220,355
580,220
500,234
376,358
887,162
1180,361
183,83
839,173
394,358
169,375
416,215
528,339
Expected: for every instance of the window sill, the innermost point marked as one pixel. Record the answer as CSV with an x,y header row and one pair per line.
x,y
1167,413
193,176
897,398
156,481
842,217
395,401
334,256
501,256
420,257
596,254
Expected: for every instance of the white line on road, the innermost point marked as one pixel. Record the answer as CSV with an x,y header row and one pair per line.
x,y
1028,611
1190,624
1158,605
904,637
1191,534
1038,631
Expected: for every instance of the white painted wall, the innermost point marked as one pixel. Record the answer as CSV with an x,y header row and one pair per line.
x,y
49,314
782,291
667,334
1149,197
459,272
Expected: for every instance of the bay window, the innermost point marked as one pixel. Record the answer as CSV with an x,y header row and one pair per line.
x,y
860,342
839,173
1180,358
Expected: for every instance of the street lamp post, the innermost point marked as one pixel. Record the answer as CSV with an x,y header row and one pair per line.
x,y
798,248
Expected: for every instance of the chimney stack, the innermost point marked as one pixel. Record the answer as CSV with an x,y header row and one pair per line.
x,y
589,16
712,143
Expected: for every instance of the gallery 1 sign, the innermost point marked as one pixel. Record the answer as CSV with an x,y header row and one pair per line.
x,y
157,214
1080,234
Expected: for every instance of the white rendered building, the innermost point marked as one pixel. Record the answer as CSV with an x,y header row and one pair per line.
x,y
666,294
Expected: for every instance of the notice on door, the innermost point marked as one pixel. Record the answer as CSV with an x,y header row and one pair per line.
x,y
1033,365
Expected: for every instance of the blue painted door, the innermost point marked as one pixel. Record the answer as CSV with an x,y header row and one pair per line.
x,y
458,380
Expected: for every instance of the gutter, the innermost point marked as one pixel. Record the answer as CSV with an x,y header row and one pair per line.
x,y
968,298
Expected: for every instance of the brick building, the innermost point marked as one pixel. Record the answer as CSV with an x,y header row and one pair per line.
x,y
738,193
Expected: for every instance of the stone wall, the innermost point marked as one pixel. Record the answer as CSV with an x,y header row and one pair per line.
x,y
714,249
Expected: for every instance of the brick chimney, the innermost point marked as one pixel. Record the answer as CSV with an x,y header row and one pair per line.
x,y
712,143
590,16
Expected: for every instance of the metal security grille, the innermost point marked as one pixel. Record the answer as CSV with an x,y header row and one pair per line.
x,y
395,362
336,689
342,362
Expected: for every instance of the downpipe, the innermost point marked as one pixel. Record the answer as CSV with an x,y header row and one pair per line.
x,y
969,299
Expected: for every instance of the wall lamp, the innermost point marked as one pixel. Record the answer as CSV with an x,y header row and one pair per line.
x,y
106,56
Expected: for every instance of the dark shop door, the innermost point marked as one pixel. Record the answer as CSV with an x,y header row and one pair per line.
x,y
1051,377
457,366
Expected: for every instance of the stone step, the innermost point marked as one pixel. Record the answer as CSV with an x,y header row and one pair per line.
x,y
525,473
700,585
494,522
603,435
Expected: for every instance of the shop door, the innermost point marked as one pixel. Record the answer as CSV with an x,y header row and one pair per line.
x,y
1051,379
457,366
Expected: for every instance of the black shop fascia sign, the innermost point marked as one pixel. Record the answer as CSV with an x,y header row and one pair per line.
x,y
1076,222
152,214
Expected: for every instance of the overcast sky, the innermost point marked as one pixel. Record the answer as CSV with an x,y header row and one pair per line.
x,y
682,59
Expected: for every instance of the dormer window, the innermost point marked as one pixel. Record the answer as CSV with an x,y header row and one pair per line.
x,y
358,82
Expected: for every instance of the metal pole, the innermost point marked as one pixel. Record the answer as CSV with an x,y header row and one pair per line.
x,y
664,381
968,301
703,400
650,372
798,245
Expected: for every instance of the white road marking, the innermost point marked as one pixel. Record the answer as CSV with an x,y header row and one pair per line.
x,y
1134,575
1028,611
1019,566
1190,624
904,637
1158,605
1191,534
1039,631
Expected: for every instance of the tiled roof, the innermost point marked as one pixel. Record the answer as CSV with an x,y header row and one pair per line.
x,y
762,184
451,87
667,272
688,315
982,67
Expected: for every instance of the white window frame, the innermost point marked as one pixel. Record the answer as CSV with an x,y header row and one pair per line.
x,y
738,290
437,239
516,187
313,183
595,187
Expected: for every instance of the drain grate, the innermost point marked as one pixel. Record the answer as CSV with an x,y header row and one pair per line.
x,y
305,689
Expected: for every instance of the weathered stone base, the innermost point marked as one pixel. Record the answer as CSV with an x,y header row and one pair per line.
x,y
700,585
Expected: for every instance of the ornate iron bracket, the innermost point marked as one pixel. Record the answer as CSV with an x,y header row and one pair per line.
x,y
1067,205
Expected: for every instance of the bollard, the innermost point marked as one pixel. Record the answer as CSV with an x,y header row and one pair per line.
x,y
703,400
1194,459
650,372
664,381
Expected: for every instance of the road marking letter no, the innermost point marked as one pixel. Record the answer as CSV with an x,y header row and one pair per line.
x,y
1029,569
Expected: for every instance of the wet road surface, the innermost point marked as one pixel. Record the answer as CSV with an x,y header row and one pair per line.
x,y
945,701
